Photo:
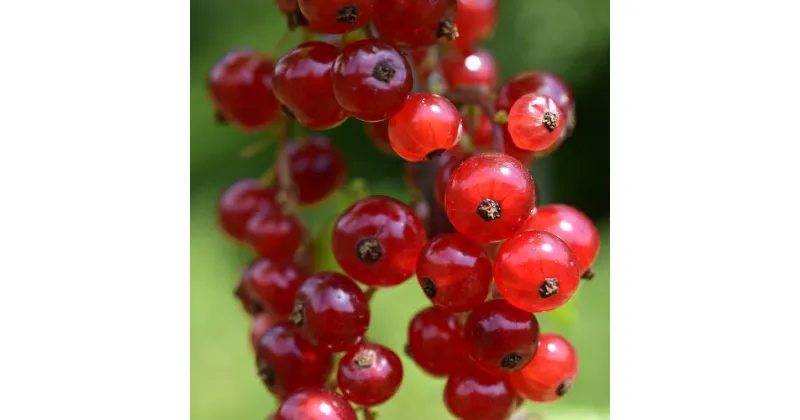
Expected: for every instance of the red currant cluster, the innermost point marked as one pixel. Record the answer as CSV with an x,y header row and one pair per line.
x,y
484,254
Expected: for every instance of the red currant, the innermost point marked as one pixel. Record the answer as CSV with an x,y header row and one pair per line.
x,y
315,404
274,234
436,342
551,373
448,162
336,16
241,201
315,168
539,82
500,337
573,227
475,69
378,132
331,311
425,127
415,23
483,135
262,323
371,79
369,374
273,284
489,197
307,68
287,362
484,139
475,394
475,20
535,122
454,272
377,241
536,271
433,217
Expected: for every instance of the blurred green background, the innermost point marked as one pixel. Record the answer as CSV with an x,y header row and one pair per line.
x,y
567,37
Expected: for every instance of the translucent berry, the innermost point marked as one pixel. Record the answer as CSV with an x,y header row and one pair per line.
x,y
275,234
262,323
475,69
331,311
542,83
272,283
336,16
454,272
315,404
474,394
536,271
551,373
483,136
436,343
500,337
377,241
573,227
369,374
476,20
241,201
378,132
535,122
447,164
489,197
415,23
287,362
315,168
425,127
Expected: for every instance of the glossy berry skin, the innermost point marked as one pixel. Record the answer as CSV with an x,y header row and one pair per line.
x,y
483,138
535,122
500,337
239,202
551,373
573,227
275,234
377,240
287,362
331,311
315,168
240,85
476,20
474,69
436,343
369,374
262,323
336,16
315,404
448,162
489,197
378,132
307,68
474,394
454,272
272,283
371,79
539,82
414,23
426,126
536,271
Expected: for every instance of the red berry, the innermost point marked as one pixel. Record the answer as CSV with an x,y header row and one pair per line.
x,y
303,70
240,85
489,197
475,20
476,69
378,132
535,122
573,227
262,323
369,374
475,394
447,164
433,217
287,362
484,139
526,157
331,311
551,373
500,337
315,404
536,271
425,127
538,82
315,168
272,283
241,201
454,272
377,241
483,136
336,16
415,23
371,79
274,234
436,342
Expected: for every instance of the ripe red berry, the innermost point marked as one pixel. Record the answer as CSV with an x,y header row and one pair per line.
x,y
573,227
240,85
500,337
272,283
315,168
378,132
489,197
476,21
536,271
433,217
474,69
241,201
331,311
287,362
447,164
315,404
369,374
262,323
305,69
551,373
539,82
483,135
371,79
275,234
535,122
425,127
475,394
415,23
336,16
454,272
436,342
377,241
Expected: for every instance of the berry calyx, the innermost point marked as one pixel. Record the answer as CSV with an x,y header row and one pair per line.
x,y
535,122
272,283
436,342
315,404
551,373
573,227
275,234
415,23
475,394
336,16
426,126
472,70
369,374
315,168
500,337
239,203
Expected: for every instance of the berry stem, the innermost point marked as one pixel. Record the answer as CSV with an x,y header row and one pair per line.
x,y
370,292
367,413
255,148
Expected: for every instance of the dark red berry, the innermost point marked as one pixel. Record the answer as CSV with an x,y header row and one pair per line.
x,y
500,337
241,201
436,342
476,21
448,163
474,69
475,394
369,374
551,373
378,132
425,127
535,122
454,272
262,323
287,362
336,16
331,311
538,82
275,234
483,137
315,168
433,217
377,241
573,227
273,283
415,23
536,271
315,404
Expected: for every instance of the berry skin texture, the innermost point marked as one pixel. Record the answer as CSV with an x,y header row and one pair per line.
x,y
476,20
273,284
274,234
539,82
240,85
331,311
500,337
454,273
489,197
551,373
262,323
474,394
476,69
371,79
415,23
425,127
573,227
336,16
536,271
315,168
369,374
287,362
535,122
447,164
307,68
315,404
377,240
241,201
436,343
